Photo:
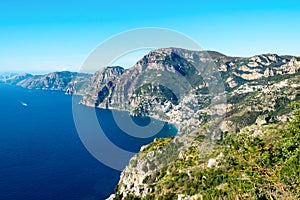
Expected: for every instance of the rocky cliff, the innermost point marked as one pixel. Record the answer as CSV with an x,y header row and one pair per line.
x,y
241,164
12,78
179,85
228,106
258,91
100,85
69,82
258,162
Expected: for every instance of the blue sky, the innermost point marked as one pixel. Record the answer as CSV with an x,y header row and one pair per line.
x,y
43,36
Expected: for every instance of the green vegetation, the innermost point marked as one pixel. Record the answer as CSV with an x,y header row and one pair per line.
x,y
204,90
246,119
185,68
158,143
271,103
248,166
158,91
277,78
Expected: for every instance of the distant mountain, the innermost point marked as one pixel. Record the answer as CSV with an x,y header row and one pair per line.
x,y
70,82
179,86
14,78
6,75
238,137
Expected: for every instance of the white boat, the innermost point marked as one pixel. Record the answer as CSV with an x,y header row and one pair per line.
x,y
23,104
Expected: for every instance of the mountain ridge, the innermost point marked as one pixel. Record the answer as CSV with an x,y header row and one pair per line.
x,y
169,65
69,82
181,87
172,70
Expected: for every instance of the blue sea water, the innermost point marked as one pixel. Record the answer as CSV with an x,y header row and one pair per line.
x,y
41,155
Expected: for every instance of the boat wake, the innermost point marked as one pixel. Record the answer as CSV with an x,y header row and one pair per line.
x,y
23,103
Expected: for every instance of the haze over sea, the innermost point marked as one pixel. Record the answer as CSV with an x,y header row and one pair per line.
x,y
41,155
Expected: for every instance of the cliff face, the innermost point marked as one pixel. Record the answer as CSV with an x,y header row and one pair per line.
x,y
100,86
247,99
240,163
259,161
14,78
177,85
70,82
258,91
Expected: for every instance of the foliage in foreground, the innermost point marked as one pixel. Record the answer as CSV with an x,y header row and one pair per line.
x,y
253,166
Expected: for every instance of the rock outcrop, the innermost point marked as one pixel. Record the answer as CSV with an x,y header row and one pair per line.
x,y
250,109
206,94
258,91
178,85
100,86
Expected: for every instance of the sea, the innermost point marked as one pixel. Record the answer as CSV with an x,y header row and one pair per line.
x,y
41,154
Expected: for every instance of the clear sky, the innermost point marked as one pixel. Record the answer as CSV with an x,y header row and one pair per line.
x,y
41,36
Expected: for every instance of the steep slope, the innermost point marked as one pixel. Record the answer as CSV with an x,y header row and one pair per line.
x,y
258,157
15,78
258,162
180,86
235,155
101,84
234,111
70,82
